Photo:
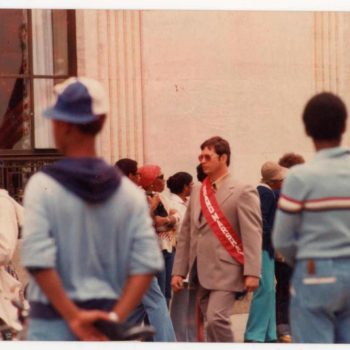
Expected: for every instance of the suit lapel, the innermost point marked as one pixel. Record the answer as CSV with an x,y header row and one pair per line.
x,y
225,191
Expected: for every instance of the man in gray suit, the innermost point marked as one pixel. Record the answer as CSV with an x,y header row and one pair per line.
x,y
220,240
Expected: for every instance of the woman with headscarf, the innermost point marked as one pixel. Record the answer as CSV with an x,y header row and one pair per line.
x,y
165,220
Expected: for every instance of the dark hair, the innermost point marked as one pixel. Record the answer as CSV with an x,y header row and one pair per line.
x,y
219,145
324,117
290,159
178,181
201,175
127,166
92,128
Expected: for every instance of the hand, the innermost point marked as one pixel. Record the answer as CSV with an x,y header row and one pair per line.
x,y
82,325
153,201
177,283
279,257
251,283
172,211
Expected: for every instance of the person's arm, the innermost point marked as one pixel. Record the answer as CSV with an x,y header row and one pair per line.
x,y
250,222
79,321
171,220
288,217
182,254
135,287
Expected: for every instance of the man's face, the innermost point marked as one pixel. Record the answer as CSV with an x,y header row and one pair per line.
x,y
211,161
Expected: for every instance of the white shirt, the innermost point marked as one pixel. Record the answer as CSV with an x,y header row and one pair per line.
x,y
181,207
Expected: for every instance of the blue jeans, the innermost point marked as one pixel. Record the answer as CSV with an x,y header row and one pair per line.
x,y
164,277
320,301
154,305
53,330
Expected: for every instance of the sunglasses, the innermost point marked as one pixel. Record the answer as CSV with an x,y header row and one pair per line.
x,y
206,157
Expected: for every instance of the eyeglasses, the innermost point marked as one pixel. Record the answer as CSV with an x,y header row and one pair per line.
x,y
206,157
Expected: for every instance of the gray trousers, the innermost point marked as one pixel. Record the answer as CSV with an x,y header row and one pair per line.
x,y
183,314
217,308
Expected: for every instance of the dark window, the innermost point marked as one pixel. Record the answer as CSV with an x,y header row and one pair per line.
x,y
37,50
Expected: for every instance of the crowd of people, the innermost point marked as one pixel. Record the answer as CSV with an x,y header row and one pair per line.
x,y
110,242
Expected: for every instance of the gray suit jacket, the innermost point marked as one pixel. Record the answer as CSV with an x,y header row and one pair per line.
x,y
217,270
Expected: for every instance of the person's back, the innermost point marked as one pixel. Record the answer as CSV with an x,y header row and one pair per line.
x,y
95,239
322,187
88,240
311,229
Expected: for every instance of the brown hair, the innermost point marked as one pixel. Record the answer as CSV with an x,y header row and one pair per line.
x,y
290,159
220,146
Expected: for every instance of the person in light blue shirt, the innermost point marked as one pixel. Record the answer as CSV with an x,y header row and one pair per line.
x,y
88,240
312,228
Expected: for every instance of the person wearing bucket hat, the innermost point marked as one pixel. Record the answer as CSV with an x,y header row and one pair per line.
x,y
272,173
261,325
88,240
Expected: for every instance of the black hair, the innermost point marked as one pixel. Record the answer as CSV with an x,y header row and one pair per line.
x,y
219,145
127,166
92,128
201,175
324,117
178,181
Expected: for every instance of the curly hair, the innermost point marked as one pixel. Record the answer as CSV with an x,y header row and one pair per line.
x,y
178,181
324,117
290,159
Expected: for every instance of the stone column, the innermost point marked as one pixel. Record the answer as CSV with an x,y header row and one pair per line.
x,y
109,49
331,62
328,51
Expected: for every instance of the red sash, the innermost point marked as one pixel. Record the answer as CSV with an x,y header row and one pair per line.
x,y
219,224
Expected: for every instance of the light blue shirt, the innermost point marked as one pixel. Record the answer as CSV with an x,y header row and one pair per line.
x,y
93,247
313,219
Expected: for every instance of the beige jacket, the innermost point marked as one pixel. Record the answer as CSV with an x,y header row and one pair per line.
x,y
11,216
217,270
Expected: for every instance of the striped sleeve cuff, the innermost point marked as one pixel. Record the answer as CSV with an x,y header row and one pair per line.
x,y
290,205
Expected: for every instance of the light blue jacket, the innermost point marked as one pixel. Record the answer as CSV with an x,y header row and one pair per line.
x,y
313,219
94,247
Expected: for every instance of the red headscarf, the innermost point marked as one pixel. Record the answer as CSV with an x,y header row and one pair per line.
x,y
148,174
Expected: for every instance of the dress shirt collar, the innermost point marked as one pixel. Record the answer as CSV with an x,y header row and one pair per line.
x,y
218,182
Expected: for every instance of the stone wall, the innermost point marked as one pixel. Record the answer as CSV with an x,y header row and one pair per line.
x,y
176,78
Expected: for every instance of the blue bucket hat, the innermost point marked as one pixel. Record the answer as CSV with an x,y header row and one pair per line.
x,y
78,101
